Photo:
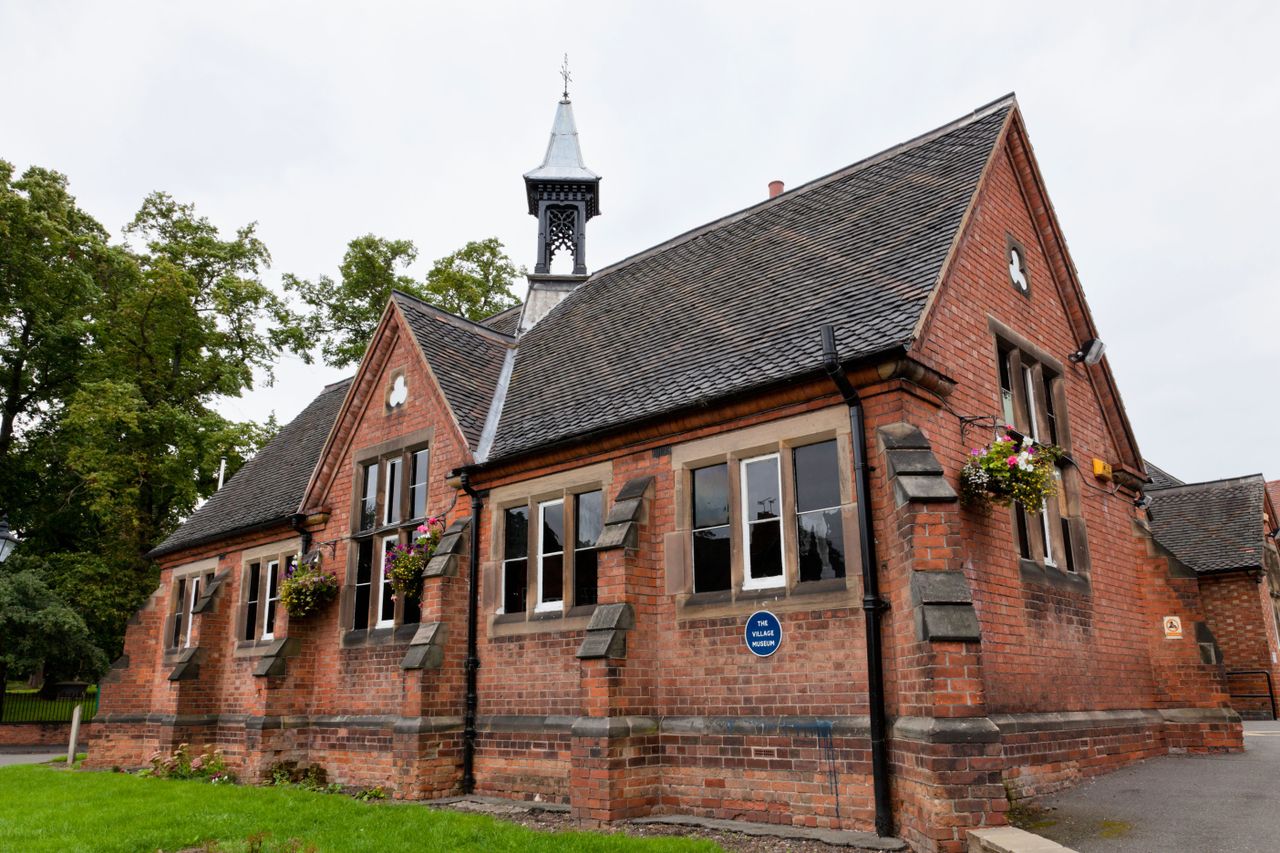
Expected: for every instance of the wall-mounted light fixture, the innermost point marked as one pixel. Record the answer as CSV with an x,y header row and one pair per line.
x,y
1090,352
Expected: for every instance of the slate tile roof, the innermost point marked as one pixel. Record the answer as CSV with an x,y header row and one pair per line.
x,y
726,308
465,357
268,488
1212,527
505,322
738,304
1160,478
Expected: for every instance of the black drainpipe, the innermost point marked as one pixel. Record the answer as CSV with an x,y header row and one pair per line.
x,y
473,658
872,605
296,521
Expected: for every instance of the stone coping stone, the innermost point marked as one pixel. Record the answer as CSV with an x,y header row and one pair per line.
x,y
837,837
1009,839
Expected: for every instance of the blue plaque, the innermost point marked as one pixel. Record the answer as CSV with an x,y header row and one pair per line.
x,y
763,633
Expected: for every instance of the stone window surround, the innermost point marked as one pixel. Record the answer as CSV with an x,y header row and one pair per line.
x,y
560,486
1039,361
402,447
260,554
781,437
202,570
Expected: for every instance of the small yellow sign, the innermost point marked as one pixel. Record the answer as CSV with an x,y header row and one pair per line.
x,y
1102,469
1172,628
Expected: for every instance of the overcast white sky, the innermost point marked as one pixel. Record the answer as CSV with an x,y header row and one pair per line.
x,y
1155,126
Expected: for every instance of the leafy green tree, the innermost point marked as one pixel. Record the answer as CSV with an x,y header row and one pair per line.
x,y
111,360
37,627
344,313
475,281
49,252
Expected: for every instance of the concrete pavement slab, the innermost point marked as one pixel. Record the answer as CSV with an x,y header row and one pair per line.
x,y
7,758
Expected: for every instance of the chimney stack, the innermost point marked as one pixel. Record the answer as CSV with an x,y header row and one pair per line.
x,y
775,189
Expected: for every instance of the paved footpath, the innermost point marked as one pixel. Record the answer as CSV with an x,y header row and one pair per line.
x,y
1177,804
33,755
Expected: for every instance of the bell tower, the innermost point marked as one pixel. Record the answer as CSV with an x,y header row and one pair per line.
x,y
563,193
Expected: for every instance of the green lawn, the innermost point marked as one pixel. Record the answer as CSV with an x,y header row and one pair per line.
x,y
47,809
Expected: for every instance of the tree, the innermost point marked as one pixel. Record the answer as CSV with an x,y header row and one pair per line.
x,y
49,253
111,359
475,281
36,626
344,313
188,322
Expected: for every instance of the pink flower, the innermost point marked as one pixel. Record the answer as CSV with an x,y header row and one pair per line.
x,y
1013,461
975,452
422,528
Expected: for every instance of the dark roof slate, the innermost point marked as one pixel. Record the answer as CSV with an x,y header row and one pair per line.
x,y
506,322
738,304
466,358
1160,478
268,488
1211,527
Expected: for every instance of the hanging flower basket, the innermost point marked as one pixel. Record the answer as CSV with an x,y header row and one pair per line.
x,y
404,564
306,589
1009,469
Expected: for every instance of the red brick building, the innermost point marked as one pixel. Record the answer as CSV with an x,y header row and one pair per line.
x,y
638,460
1223,533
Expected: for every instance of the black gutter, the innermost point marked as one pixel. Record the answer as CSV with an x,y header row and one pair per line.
x,y
872,605
473,658
162,550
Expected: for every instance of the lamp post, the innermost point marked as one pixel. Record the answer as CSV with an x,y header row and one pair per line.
x,y
7,540
7,543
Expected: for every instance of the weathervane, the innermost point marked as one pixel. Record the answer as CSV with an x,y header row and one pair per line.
x,y
564,72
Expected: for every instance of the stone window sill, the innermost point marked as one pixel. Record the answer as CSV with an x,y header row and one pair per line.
x,y
253,648
391,635
834,592
516,624
1053,576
